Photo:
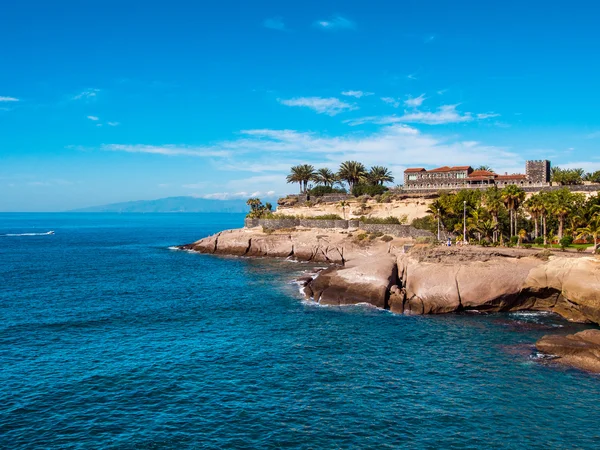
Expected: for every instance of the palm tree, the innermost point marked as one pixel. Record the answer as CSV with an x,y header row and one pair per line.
x,y
301,174
254,203
438,210
512,196
380,175
487,227
533,207
592,229
544,207
492,201
325,177
562,205
352,172
486,168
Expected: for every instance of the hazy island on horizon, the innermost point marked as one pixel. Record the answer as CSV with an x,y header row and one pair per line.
x,y
183,204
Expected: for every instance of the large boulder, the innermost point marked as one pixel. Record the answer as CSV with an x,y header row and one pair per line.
x,y
365,281
580,350
575,280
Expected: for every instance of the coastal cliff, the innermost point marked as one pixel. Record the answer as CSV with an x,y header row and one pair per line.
x,y
405,278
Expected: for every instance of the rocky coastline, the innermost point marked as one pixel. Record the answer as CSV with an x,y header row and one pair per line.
x,y
405,278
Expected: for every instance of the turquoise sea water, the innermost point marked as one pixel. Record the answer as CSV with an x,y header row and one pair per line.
x,y
109,339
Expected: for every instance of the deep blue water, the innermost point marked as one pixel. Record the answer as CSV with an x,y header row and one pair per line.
x,y
108,339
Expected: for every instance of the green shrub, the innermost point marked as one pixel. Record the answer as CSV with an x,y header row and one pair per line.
x,y
526,245
325,217
539,240
386,197
368,189
390,220
566,241
268,230
387,238
425,223
580,249
514,240
319,191
424,240
361,236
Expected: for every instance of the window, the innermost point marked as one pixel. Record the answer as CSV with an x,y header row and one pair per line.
x,y
412,177
460,175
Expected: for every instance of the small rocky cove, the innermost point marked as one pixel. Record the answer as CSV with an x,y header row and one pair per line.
x,y
414,279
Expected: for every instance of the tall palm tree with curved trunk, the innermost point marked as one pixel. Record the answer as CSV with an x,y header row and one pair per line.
x,y
592,229
380,175
437,210
325,176
512,196
533,207
492,201
563,203
352,172
301,174
484,167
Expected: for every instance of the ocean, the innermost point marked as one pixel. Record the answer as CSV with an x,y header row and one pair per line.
x,y
110,339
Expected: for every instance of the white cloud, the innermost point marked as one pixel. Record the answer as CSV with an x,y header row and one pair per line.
x,y
93,118
391,101
593,135
113,124
237,195
88,94
397,144
487,115
415,102
357,94
168,150
443,115
330,106
336,23
274,23
8,99
429,39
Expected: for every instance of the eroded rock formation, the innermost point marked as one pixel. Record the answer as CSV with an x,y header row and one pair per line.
x,y
580,350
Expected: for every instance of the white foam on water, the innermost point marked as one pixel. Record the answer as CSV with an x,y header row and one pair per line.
x,y
49,233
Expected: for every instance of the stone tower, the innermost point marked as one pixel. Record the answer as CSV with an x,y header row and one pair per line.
x,y
538,171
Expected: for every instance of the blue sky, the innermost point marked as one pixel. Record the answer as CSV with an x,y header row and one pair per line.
x,y
112,101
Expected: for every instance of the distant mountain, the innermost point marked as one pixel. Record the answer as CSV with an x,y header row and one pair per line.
x,y
171,205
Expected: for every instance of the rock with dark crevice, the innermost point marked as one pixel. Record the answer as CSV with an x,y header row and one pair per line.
x,y
580,350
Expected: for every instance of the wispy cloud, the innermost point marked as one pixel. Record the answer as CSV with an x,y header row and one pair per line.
x,y
445,114
113,124
275,23
8,99
237,195
429,39
88,94
412,76
391,101
357,94
335,23
593,135
415,102
93,118
442,91
168,150
330,106
483,116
